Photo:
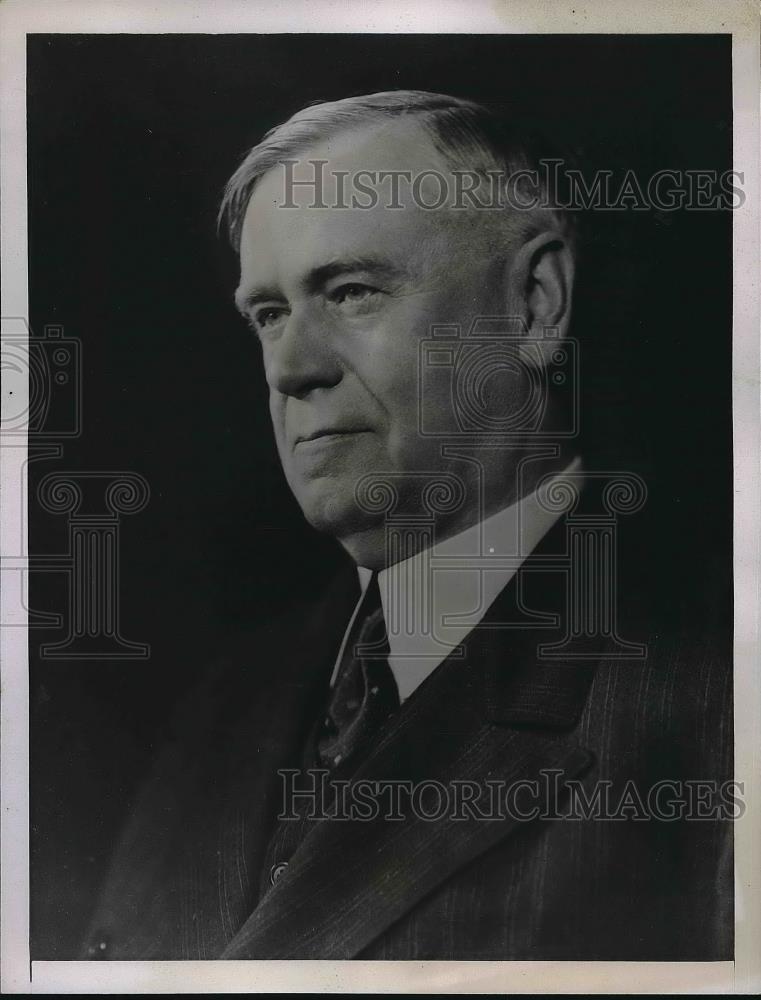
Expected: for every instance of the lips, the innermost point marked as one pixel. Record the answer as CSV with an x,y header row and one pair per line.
x,y
330,432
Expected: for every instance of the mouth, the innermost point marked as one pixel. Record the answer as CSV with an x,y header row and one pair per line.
x,y
329,434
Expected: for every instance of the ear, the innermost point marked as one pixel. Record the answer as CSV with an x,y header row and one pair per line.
x,y
541,285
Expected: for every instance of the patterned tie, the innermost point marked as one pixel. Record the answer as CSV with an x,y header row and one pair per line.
x,y
363,697
365,692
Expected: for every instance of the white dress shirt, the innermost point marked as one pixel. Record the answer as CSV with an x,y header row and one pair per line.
x,y
432,600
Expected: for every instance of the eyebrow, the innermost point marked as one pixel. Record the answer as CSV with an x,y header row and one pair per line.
x,y
245,300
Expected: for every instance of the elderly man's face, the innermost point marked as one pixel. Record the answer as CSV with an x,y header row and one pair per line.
x,y
340,299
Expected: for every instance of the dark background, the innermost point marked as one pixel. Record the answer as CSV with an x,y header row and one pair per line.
x,y
131,139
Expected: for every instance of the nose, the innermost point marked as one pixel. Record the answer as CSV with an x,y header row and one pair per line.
x,y
301,359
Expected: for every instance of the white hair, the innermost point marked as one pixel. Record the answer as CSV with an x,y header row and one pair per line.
x,y
468,135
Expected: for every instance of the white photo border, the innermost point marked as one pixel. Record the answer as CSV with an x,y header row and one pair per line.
x,y
740,18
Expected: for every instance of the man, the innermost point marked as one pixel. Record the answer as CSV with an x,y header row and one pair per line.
x,y
409,274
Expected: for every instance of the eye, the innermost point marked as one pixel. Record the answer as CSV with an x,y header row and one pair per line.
x,y
266,317
353,292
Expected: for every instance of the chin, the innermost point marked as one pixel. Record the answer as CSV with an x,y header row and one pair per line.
x,y
330,507
334,512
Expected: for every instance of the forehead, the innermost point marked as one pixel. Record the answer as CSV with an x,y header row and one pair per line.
x,y
290,238
391,145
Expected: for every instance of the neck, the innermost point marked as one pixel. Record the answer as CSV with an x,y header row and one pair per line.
x,y
379,546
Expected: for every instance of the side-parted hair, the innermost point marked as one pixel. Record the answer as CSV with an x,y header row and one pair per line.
x,y
469,137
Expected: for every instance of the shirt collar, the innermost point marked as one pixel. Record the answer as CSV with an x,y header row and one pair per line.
x,y
432,600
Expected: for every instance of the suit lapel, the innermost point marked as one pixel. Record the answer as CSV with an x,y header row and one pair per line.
x,y
498,714
226,795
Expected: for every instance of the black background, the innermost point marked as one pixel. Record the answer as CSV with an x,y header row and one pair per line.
x,y
131,140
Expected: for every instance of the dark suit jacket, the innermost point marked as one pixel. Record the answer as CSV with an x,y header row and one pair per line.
x,y
184,881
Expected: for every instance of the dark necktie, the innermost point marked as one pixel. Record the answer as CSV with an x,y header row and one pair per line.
x,y
363,697
365,692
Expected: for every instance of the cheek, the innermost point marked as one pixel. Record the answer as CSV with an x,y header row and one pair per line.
x,y
392,376
398,388
277,416
405,443
277,407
